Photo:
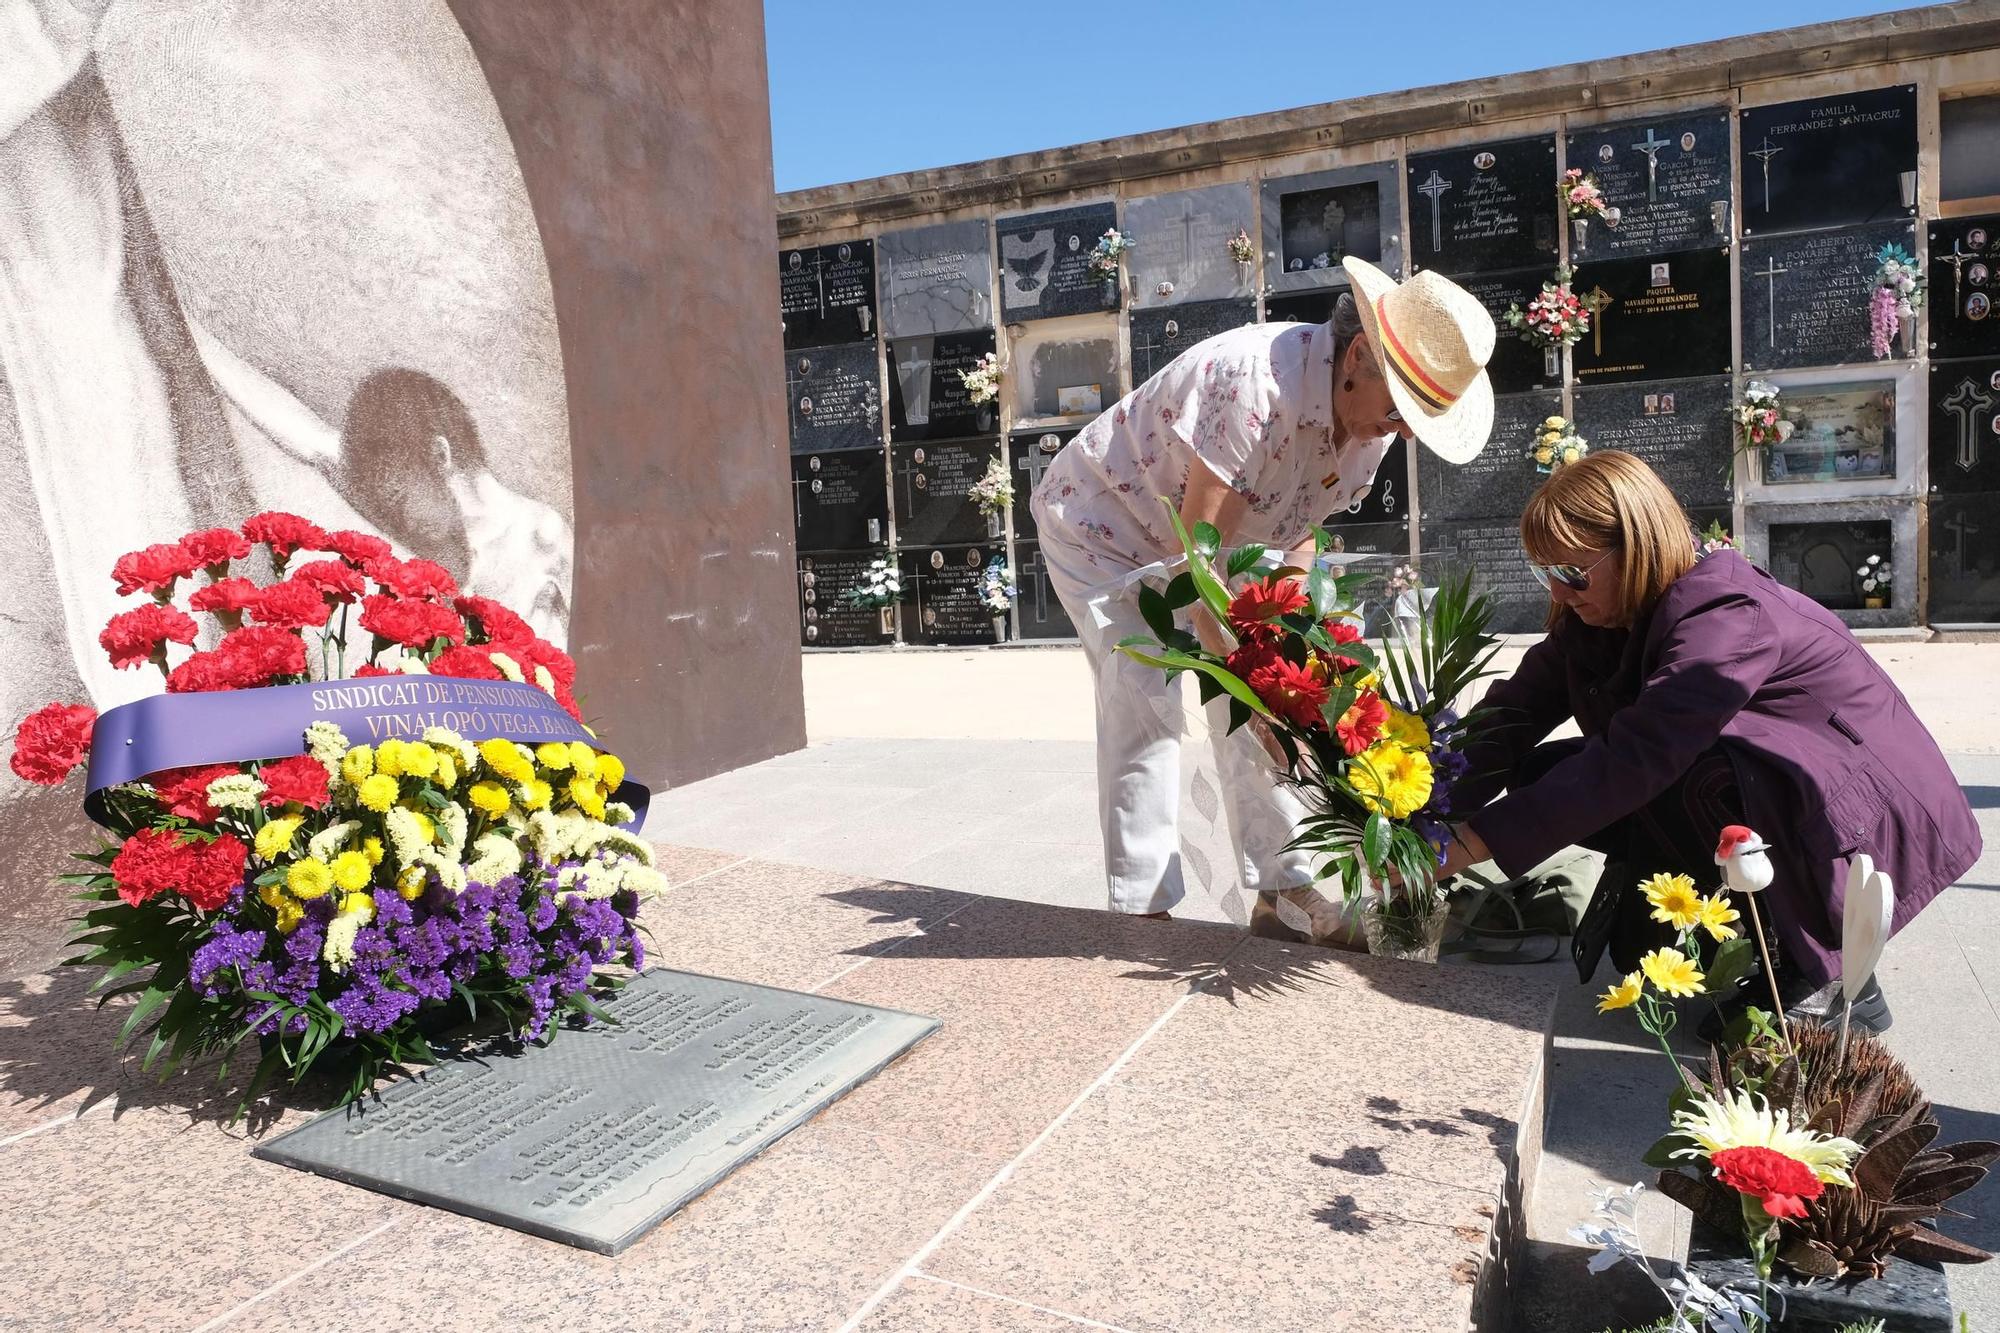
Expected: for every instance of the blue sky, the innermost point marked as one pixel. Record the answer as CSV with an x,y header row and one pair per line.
x,y
863,88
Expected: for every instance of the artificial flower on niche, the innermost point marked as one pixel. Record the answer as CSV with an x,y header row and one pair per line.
x,y
1781,1185
1672,973
1623,995
1744,1120
1673,899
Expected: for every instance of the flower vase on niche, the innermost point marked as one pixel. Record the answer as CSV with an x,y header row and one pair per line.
x,y
1000,628
1552,362
1243,273
888,615
1907,334
1409,927
1579,230
994,525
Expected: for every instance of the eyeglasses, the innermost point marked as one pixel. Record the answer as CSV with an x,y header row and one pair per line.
x,y
1570,576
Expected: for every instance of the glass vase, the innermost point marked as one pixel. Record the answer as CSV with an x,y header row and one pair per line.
x,y
1409,927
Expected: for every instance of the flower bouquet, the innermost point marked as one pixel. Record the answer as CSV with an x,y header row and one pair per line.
x,y
1111,247
1760,422
1876,578
1556,445
982,382
337,853
881,587
1580,194
1556,318
997,593
1893,303
1369,740
1242,249
1715,538
994,490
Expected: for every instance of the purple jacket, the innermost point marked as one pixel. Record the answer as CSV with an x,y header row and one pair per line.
x,y
1829,758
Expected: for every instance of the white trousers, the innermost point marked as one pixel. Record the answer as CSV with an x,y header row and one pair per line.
x,y
1140,723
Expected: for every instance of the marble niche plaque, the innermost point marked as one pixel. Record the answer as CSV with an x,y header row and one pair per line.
x,y
1965,559
1668,178
596,1138
1308,307
1158,336
1680,428
1821,559
840,501
1965,426
834,398
1516,365
1497,483
941,590
826,620
1657,318
1830,161
936,279
1964,272
1029,454
1485,206
1805,296
1387,500
1312,222
1038,613
827,293
933,492
1499,568
1181,246
1045,263
928,399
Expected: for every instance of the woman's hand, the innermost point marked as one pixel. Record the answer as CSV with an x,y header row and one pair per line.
x,y
1467,849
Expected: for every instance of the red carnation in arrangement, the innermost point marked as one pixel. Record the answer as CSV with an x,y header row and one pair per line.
x,y
283,533
472,663
413,624
336,580
291,605
152,862
212,670
1295,693
213,870
1782,1184
214,548
1361,725
542,653
51,742
226,600
153,570
367,669
412,578
300,778
184,791
491,621
142,634
1254,611
356,547
263,652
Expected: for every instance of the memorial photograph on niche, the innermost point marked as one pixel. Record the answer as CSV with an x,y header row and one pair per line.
x,y
1045,263
1964,272
1666,179
1829,161
1484,206
1840,432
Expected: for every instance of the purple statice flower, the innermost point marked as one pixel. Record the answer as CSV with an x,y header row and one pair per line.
x,y
225,949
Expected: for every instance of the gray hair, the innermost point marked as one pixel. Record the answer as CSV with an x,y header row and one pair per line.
x,y
1346,324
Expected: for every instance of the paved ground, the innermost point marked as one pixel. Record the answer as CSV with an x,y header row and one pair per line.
x,y
972,772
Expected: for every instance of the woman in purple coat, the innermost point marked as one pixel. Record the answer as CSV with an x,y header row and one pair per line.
x,y
1708,695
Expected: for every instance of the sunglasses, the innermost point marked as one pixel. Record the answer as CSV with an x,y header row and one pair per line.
x,y
1570,576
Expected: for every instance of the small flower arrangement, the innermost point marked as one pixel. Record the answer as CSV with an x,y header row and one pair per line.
x,y
1676,973
1556,318
1111,246
1241,248
1557,445
1760,422
1581,195
1876,576
996,587
1898,294
1715,538
982,382
994,491
881,586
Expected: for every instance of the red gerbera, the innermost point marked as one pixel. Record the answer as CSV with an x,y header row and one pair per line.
x,y
152,862
142,634
283,533
153,570
412,578
51,742
226,599
1295,693
473,663
336,580
214,548
491,621
300,778
290,605
1254,611
1361,725
413,624
1344,631
1782,1184
1249,658
357,547
184,791
213,870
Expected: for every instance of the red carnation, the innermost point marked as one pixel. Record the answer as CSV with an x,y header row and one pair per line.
x,y
1782,1184
367,669
51,742
184,791
283,533
152,862
542,653
1253,612
226,600
413,624
473,663
300,778
290,605
214,548
153,570
1295,693
262,653
142,634
1361,725
493,622
213,870
336,580
412,578
356,547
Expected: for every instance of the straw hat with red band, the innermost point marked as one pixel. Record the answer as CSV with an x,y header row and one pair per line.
x,y
1433,339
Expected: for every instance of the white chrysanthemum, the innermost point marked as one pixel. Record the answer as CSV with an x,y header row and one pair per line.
x,y
508,667
235,791
406,835
329,841
1742,1120
340,933
617,812
451,827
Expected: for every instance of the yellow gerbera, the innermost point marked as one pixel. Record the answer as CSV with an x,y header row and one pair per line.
x,y
1716,915
1742,1120
490,797
610,771
1672,972
1406,729
1392,780
310,878
553,754
358,764
275,838
378,793
504,758
1674,900
1624,995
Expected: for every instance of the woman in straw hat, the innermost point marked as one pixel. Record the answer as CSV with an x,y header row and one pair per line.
x,y
1261,431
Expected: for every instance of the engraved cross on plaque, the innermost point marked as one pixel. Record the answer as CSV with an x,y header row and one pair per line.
x,y
1597,300
1764,153
1434,187
1651,148
1959,530
798,500
1967,403
1038,570
1769,273
906,469
1035,460
1143,370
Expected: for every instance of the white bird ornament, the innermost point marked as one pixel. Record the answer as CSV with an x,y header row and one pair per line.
x,y
1747,870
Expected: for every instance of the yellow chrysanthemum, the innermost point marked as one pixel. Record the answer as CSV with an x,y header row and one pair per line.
x,y
1674,900
1406,729
389,758
310,878
504,758
1622,996
583,759
447,771
419,760
534,794
1742,1120
358,764
289,916
427,824
410,883
273,894
553,754
378,793
1716,915
587,796
275,838
371,847
358,904
1392,780
353,870
610,771
1672,972
490,797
